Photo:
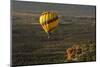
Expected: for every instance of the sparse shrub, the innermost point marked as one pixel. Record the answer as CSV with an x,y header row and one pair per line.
x,y
83,52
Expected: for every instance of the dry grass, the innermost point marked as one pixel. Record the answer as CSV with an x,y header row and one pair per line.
x,y
30,44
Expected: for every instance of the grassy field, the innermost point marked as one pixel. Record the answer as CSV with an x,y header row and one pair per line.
x,y
30,44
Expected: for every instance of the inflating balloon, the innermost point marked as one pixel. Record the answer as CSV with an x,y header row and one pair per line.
x,y
49,21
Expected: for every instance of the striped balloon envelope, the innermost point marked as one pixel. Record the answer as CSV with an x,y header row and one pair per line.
x,y
49,21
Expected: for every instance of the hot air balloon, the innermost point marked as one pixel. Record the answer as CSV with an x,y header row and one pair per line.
x,y
49,22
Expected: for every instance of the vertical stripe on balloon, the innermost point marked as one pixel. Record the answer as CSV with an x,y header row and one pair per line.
x,y
49,21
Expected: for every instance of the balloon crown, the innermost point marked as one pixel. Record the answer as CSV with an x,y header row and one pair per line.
x,y
45,12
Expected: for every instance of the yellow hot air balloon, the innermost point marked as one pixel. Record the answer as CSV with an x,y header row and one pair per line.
x,y
49,21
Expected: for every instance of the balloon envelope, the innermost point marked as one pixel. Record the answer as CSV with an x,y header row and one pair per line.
x,y
49,21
